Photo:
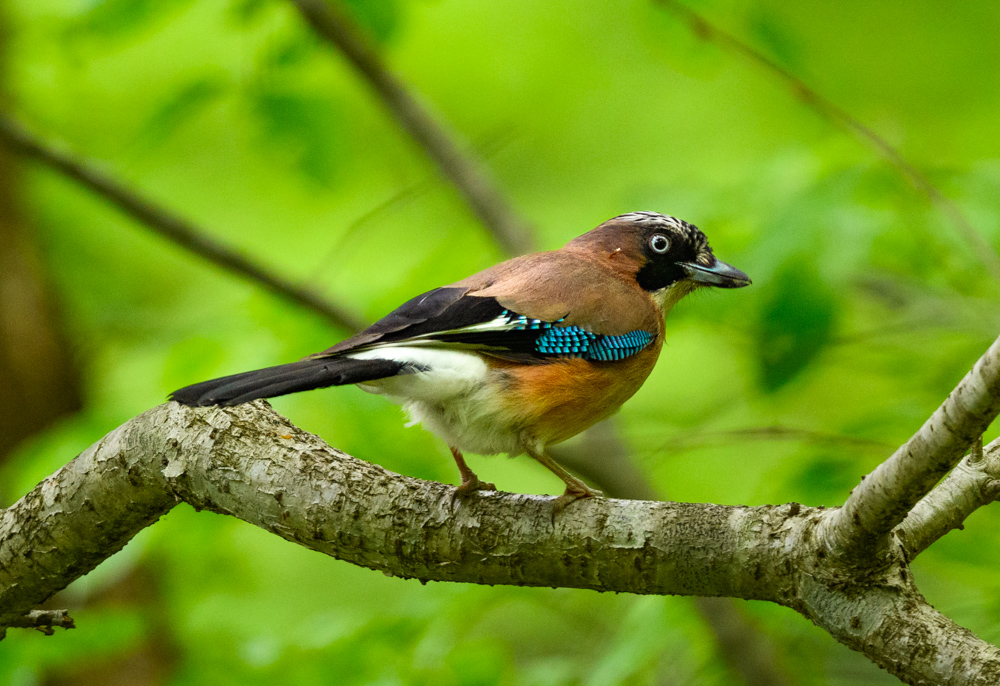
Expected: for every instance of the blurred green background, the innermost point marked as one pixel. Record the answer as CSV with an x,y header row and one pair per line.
x,y
867,305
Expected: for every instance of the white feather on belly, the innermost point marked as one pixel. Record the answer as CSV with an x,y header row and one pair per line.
x,y
455,397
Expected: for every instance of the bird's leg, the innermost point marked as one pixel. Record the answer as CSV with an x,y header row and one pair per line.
x,y
575,488
470,482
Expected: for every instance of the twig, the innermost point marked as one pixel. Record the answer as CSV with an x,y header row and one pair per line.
x,y
168,225
770,433
456,163
44,620
393,202
973,483
886,495
834,113
354,229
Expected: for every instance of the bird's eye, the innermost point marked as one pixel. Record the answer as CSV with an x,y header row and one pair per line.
x,y
659,243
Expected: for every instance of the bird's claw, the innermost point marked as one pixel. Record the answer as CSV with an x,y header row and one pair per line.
x,y
470,486
571,496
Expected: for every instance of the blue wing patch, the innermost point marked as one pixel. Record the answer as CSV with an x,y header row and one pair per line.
x,y
573,341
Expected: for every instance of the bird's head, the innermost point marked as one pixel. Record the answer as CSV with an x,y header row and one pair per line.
x,y
667,256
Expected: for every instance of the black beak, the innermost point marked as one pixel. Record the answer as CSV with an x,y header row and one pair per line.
x,y
720,274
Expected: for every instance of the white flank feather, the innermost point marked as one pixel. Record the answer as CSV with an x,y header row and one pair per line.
x,y
456,397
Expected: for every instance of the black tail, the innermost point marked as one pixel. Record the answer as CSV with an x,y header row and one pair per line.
x,y
304,375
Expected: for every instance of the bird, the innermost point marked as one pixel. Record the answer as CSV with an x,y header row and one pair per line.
x,y
520,356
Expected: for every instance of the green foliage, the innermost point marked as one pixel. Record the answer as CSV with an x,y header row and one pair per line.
x,y
867,304
114,19
766,31
301,128
245,12
382,18
180,107
796,322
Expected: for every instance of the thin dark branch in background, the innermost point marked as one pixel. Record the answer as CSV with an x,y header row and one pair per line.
x,y
168,225
39,367
750,652
456,163
769,433
834,113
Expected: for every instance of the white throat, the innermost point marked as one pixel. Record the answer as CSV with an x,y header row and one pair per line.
x,y
669,296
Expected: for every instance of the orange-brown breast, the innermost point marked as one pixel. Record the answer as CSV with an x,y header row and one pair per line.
x,y
556,401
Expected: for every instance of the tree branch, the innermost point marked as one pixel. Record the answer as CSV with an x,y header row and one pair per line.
x,y
236,462
830,111
902,633
973,483
457,164
251,463
885,496
168,225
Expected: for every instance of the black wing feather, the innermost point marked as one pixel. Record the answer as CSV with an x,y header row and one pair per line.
x,y
271,382
443,309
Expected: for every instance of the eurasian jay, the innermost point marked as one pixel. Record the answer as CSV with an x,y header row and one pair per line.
x,y
521,356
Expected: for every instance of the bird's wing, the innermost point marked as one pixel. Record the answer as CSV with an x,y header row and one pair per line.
x,y
459,317
427,311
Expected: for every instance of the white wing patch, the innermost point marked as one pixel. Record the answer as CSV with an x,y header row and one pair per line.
x,y
449,373
501,323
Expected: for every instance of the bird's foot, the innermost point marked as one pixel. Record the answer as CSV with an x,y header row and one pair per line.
x,y
572,494
470,486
